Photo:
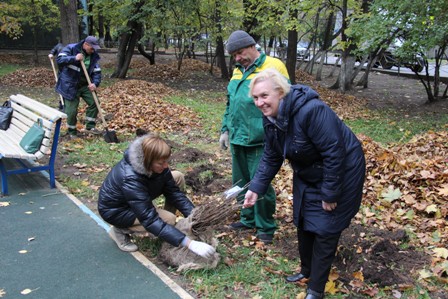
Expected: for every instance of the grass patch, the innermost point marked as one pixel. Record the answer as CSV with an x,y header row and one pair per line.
x,y
102,156
209,108
248,275
386,131
9,68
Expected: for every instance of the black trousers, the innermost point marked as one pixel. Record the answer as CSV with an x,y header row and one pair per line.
x,y
316,256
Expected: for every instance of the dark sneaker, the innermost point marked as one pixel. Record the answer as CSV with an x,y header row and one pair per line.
x,y
265,238
94,131
239,226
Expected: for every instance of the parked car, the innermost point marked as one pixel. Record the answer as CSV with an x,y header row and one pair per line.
x,y
302,50
389,60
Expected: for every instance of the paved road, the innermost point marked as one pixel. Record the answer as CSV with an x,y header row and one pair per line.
x,y
443,72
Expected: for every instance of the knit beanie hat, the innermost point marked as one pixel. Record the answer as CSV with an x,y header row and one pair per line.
x,y
238,40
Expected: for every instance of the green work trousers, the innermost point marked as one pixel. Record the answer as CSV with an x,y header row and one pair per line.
x,y
245,162
71,109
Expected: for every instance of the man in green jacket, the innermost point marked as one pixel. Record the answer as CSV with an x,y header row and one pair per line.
x,y
242,130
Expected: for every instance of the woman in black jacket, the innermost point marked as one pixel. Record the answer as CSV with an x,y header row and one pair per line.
x,y
126,197
329,170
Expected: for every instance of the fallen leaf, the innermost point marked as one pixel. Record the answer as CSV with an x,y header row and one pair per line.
x,y
85,183
424,274
330,287
431,209
27,291
358,275
441,252
396,294
4,203
301,295
391,195
443,190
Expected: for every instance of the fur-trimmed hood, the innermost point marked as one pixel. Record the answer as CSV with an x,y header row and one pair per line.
x,y
134,156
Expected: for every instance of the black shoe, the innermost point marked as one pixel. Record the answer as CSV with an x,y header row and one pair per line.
x,y
239,226
94,131
295,277
265,238
310,294
69,134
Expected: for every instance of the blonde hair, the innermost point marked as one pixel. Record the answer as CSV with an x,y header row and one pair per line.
x,y
154,148
279,82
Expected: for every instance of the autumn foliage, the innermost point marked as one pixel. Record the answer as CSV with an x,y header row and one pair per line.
x,y
406,184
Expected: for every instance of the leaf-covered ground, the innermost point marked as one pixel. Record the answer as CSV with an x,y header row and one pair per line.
x,y
399,236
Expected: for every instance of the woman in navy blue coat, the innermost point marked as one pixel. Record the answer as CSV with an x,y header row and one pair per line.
x,y
328,164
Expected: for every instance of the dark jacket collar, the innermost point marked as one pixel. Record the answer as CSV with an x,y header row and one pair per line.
x,y
298,96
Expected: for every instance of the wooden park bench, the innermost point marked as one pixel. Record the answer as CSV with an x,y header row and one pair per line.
x,y
26,112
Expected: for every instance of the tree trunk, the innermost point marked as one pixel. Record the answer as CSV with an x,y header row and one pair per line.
x,y
320,66
101,29
344,81
90,18
250,21
108,37
127,43
291,57
329,28
151,56
69,21
220,53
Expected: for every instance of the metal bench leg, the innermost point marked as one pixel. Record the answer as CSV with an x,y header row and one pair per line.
x,y
4,176
53,153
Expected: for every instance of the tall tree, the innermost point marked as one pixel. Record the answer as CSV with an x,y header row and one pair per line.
x,y
69,21
128,40
39,16
220,54
421,26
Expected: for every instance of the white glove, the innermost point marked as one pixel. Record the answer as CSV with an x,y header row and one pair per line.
x,y
233,192
50,56
224,140
201,249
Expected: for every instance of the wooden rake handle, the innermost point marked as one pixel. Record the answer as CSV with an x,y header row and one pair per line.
x,y
97,102
56,78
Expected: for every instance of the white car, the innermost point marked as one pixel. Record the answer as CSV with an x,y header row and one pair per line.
x,y
302,49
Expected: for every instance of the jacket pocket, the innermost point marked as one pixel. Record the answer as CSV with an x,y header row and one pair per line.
x,y
255,132
316,219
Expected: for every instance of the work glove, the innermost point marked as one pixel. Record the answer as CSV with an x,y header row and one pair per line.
x,y
201,249
224,140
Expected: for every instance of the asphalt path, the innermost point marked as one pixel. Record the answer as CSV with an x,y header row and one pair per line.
x,y
52,246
